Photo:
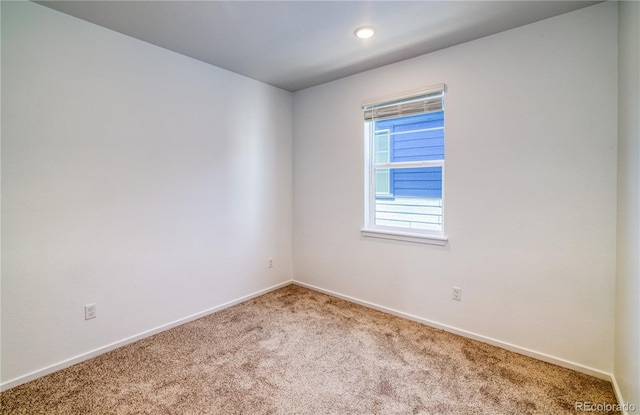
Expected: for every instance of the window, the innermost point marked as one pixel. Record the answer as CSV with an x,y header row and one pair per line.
x,y
404,166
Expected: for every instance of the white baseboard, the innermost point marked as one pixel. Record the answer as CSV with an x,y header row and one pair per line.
x,y
498,343
521,350
104,349
619,397
464,333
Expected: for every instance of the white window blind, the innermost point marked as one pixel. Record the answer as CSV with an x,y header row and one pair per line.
x,y
418,101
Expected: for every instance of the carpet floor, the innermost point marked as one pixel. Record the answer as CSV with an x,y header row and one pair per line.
x,y
297,351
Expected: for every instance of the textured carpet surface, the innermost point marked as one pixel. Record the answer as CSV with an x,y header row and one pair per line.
x,y
296,351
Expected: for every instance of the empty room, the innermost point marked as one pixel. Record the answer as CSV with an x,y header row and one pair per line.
x,y
320,207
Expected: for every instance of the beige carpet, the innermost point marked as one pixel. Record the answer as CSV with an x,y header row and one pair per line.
x,y
296,351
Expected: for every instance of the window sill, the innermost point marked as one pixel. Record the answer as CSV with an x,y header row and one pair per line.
x,y
405,236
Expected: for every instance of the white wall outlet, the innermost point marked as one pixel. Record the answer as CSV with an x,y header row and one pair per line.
x,y
457,293
90,311
270,263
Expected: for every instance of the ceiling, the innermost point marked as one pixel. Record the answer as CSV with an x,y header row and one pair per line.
x,y
298,44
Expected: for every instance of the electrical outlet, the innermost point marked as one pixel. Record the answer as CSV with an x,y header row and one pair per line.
x,y
270,263
90,311
457,293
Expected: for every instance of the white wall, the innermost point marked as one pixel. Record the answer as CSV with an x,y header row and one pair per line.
x,y
149,183
627,333
530,190
157,186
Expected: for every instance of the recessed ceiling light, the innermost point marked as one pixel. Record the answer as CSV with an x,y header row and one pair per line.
x,y
364,32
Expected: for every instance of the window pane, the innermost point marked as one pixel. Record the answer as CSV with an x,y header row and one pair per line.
x,y
381,146
413,138
416,202
382,182
381,155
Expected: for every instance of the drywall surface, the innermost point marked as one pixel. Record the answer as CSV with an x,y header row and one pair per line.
x,y
627,334
530,191
149,183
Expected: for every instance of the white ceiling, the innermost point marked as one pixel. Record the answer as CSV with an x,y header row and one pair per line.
x,y
298,44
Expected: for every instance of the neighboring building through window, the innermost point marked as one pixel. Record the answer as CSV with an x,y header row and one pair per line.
x,y
382,155
405,164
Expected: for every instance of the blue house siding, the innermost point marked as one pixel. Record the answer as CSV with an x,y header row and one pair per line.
x,y
417,137
418,182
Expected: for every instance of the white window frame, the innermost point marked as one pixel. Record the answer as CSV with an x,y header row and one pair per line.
x,y
370,228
